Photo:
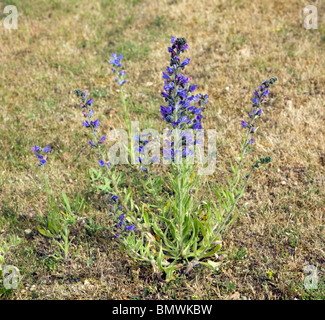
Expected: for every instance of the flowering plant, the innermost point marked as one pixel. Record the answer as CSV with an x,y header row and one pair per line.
x,y
183,231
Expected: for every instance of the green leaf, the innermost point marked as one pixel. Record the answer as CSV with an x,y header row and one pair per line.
x,y
211,252
45,233
213,264
67,204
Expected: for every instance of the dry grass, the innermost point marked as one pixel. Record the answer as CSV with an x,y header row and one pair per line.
x,y
63,45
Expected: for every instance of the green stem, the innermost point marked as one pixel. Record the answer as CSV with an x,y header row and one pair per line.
x,y
128,124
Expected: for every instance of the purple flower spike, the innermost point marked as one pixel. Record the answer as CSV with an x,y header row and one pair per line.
x,y
121,73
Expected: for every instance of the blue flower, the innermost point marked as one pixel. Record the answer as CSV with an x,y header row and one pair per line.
x,y
116,60
42,162
47,149
86,124
170,70
193,87
129,228
165,76
101,163
36,148
197,126
244,124
185,62
95,123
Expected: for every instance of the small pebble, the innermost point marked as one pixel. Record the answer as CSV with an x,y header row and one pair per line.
x,y
283,183
28,232
86,283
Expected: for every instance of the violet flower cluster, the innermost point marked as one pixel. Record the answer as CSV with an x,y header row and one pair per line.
x,y
259,97
116,62
141,142
122,226
184,109
111,199
85,105
42,157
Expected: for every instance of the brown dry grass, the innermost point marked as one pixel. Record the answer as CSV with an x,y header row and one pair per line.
x,y
63,45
